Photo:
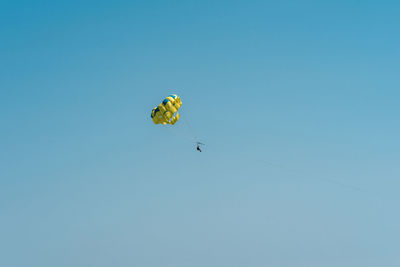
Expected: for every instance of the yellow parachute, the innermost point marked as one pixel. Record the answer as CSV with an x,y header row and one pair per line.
x,y
167,111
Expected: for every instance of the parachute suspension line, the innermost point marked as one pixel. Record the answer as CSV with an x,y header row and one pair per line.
x,y
188,125
178,133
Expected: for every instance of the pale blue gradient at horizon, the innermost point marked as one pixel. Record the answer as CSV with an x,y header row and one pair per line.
x,y
297,103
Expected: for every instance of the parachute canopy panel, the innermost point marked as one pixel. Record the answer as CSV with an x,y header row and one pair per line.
x,y
167,111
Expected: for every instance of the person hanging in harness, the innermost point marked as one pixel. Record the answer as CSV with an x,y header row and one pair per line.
x,y
198,146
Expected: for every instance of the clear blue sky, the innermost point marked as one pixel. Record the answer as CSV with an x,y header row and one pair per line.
x,y
297,102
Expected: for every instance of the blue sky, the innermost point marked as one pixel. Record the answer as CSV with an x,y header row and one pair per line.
x,y
297,102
